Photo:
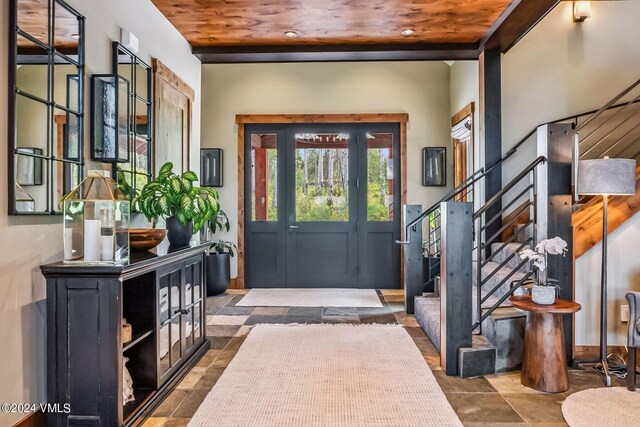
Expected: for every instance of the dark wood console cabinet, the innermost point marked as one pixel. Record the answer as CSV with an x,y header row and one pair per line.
x,y
162,294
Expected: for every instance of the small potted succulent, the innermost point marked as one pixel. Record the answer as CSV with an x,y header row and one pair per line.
x,y
544,290
218,261
186,207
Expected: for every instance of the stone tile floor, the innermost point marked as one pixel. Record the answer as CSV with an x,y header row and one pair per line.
x,y
495,400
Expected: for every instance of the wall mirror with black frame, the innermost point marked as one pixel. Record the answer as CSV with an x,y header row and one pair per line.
x,y
135,172
46,104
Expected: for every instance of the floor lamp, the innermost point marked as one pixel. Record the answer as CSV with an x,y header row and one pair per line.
x,y
606,177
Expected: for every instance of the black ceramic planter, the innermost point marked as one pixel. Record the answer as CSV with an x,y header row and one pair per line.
x,y
178,234
218,273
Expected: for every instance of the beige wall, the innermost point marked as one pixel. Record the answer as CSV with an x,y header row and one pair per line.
x,y
563,68
27,242
464,89
418,88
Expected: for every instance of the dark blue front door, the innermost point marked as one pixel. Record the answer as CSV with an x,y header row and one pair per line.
x,y
322,205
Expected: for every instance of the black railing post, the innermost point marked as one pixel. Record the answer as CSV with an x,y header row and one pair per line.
x,y
455,282
413,278
491,110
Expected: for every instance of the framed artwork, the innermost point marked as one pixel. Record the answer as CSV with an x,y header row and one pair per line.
x,y
110,137
434,166
211,167
28,168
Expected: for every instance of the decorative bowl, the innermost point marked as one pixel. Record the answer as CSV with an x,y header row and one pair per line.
x,y
144,239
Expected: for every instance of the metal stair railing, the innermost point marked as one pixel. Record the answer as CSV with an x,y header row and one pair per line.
x,y
483,243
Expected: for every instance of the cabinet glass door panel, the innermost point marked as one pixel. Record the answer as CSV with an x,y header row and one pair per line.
x,y
176,317
197,317
163,344
193,297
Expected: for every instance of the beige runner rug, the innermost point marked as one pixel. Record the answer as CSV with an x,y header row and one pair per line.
x,y
326,375
315,297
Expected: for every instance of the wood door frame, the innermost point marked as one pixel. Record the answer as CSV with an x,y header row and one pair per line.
x,y
244,119
466,111
162,75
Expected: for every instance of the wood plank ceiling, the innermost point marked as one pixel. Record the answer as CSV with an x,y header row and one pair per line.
x,y
263,22
254,30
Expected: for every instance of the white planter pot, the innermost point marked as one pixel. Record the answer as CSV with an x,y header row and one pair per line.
x,y
543,295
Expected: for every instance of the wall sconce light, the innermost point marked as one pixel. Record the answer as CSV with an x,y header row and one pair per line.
x,y
581,10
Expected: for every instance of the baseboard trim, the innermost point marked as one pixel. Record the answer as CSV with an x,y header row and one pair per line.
x,y
34,419
584,352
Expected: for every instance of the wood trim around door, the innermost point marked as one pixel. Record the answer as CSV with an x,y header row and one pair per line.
x,y
466,111
242,119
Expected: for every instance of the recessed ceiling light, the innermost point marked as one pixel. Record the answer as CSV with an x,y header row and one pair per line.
x,y
408,32
290,34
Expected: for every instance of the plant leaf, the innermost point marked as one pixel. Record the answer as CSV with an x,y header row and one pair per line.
x,y
166,168
190,176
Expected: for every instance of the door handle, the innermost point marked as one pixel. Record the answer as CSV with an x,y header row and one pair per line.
x,y
293,227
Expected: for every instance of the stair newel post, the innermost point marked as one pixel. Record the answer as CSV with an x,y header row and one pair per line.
x,y
413,278
554,201
455,282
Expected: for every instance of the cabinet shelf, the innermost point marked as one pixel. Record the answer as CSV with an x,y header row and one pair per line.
x,y
136,339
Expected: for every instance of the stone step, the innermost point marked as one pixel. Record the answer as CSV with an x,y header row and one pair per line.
x,y
501,343
506,252
427,313
504,328
477,360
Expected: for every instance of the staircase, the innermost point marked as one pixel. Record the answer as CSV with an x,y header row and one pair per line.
x,y
502,340
537,203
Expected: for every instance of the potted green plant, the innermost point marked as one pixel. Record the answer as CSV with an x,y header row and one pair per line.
x,y
218,261
186,207
543,289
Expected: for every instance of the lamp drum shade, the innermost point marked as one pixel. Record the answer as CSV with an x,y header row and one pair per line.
x,y
607,176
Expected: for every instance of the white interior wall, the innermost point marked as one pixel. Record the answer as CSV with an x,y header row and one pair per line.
x,y
420,89
27,242
562,68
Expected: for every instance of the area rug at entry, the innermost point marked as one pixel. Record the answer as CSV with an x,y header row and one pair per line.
x,y
294,297
614,406
326,375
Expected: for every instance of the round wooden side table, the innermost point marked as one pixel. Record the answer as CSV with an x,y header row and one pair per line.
x,y
544,365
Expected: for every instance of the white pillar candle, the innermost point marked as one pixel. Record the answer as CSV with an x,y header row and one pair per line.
x,y
107,247
92,240
68,243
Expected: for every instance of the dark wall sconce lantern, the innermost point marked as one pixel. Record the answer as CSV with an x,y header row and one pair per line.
x,y
211,167
434,166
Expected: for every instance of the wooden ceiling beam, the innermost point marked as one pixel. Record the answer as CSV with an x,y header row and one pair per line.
x,y
341,52
515,22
